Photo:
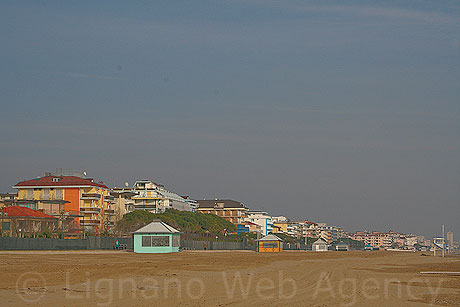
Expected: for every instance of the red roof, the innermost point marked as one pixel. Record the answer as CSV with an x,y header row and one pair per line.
x,y
24,211
308,222
48,181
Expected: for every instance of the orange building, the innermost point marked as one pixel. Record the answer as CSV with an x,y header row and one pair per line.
x,y
231,210
87,203
270,244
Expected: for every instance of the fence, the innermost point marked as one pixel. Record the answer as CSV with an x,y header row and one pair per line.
x,y
9,243
215,245
93,243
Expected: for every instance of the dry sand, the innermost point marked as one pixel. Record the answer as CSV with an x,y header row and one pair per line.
x,y
213,278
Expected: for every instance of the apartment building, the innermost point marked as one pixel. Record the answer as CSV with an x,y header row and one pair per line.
x,y
262,219
231,210
192,203
82,200
7,199
123,202
375,238
155,198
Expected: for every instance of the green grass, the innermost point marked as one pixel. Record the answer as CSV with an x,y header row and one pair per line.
x,y
185,221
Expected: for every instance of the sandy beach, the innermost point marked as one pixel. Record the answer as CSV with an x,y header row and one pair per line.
x,y
221,278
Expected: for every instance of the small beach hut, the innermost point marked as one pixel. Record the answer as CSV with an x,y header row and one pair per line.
x,y
270,244
156,237
319,246
341,246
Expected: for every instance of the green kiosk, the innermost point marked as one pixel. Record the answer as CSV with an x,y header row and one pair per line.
x,y
156,237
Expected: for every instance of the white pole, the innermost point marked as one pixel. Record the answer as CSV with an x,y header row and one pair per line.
x,y
443,242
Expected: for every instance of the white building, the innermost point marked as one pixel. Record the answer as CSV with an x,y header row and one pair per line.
x,y
262,219
155,198
279,219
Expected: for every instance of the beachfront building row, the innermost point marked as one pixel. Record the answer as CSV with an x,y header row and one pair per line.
x,y
82,202
86,205
149,196
238,214
390,239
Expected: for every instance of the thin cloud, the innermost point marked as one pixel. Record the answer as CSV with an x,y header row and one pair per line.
x,y
88,76
368,11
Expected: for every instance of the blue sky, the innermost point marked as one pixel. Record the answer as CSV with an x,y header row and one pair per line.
x,y
347,113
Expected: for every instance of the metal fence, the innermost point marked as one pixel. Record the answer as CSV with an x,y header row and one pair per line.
x,y
94,243
215,245
9,243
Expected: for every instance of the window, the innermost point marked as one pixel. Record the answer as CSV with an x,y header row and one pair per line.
x,y
269,244
6,226
56,179
160,241
146,241
176,241
58,194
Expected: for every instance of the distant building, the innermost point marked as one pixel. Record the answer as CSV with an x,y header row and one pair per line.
x,y
450,239
192,203
374,239
279,219
22,221
233,211
86,202
262,219
7,199
280,227
123,202
253,227
154,198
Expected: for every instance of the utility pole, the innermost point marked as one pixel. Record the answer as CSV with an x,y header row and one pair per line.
x,y
443,242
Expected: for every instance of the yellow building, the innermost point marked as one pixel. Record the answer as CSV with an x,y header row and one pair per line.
x,y
86,203
280,227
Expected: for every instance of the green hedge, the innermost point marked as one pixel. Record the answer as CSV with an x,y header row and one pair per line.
x,y
185,221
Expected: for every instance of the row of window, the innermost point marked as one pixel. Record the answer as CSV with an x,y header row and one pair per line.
x,y
270,244
156,241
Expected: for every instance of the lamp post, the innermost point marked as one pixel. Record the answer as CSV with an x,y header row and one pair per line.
x,y
3,213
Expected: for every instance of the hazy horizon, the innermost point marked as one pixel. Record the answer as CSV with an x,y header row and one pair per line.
x,y
347,114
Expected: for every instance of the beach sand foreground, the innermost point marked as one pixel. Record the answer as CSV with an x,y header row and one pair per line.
x,y
219,278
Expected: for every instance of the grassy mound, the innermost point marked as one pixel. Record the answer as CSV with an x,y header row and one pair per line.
x,y
189,222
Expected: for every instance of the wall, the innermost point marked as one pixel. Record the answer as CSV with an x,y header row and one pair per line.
x,y
73,196
138,248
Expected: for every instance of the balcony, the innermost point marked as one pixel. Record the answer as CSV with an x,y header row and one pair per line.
x,y
91,196
90,222
109,211
90,210
109,199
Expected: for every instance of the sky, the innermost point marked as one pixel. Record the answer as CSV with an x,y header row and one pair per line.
x,y
339,112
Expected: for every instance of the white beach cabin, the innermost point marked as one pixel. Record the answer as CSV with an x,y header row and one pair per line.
x,y
319,246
